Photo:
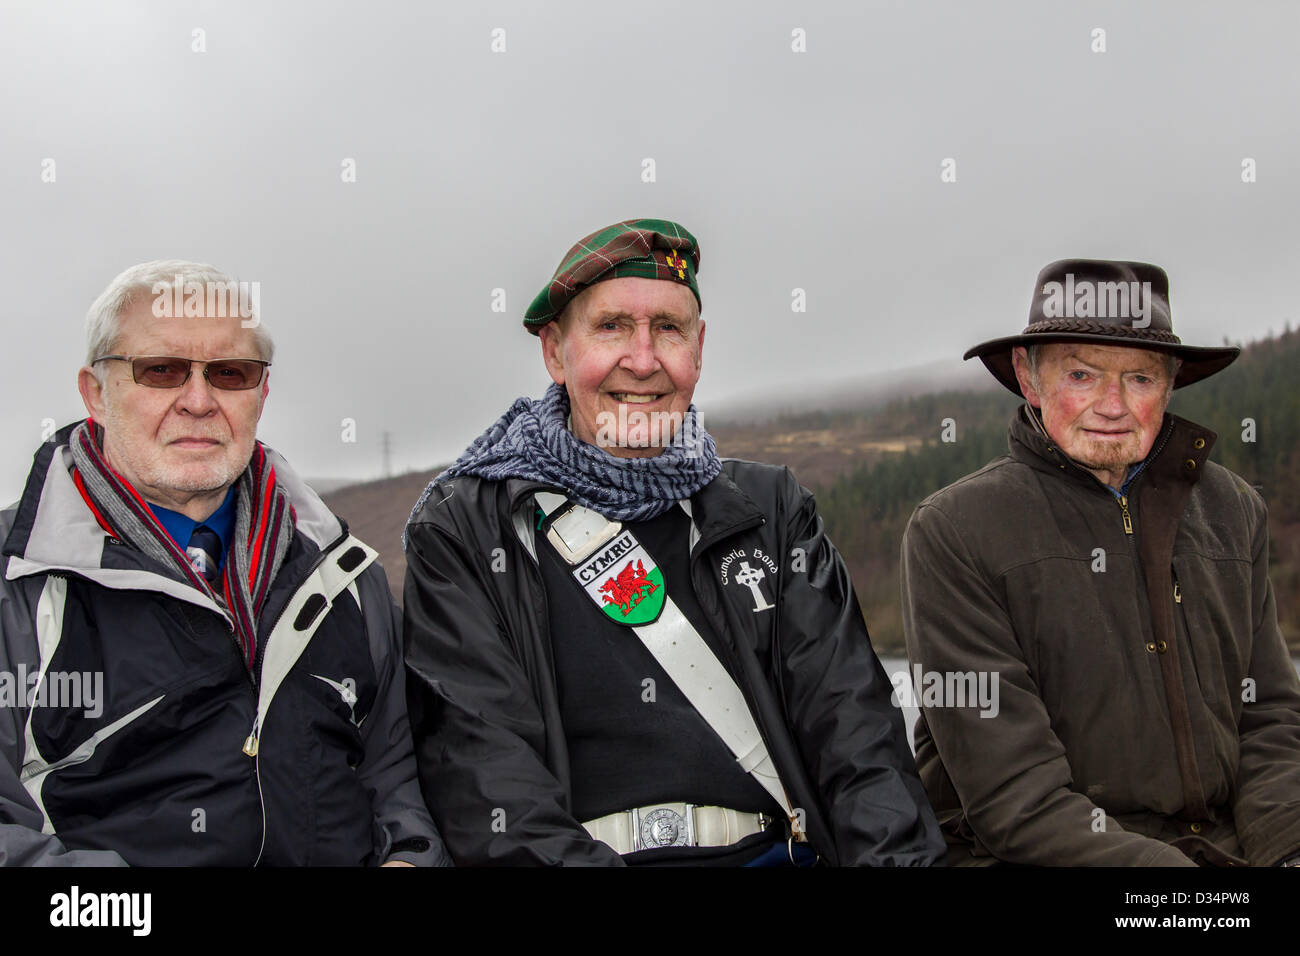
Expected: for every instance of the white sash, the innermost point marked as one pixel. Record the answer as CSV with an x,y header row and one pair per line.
x,y
685,656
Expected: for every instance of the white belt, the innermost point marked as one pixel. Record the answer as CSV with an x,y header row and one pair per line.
x,y
675,824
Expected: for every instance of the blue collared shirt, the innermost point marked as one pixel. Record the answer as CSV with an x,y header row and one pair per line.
x,y
222,521
1133,471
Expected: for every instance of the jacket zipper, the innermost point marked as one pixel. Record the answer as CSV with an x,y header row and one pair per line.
x,y
1123,499
257,775
251,742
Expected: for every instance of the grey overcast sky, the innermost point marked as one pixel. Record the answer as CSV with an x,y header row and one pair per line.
x,y
475,170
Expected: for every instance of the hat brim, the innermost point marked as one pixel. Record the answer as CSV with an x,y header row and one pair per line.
x,y
1198,362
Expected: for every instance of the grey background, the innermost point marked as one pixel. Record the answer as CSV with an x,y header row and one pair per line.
x,y
477,170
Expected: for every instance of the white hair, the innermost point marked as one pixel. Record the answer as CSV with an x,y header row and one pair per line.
x,y
103,321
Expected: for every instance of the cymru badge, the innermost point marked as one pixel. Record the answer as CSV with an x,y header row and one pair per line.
x,y
624,581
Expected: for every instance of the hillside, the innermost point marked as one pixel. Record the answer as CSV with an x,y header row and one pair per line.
x,y
376,512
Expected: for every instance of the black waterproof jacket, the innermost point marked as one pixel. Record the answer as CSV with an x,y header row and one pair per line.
x,y
482,692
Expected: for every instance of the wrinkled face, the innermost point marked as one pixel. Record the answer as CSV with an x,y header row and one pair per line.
x,y
628,352
176,445
1103,405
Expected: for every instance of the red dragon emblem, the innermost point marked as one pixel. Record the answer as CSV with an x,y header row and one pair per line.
x,y
629,589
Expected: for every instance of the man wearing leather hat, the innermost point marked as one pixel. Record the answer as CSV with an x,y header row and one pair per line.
x,y
623,649
1114,582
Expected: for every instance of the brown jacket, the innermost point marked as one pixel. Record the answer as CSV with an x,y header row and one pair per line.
x,y
1145,694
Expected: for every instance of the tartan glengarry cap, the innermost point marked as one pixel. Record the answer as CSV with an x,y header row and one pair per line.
x,y
641,248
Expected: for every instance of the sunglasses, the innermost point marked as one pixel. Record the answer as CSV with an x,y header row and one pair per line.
x,y
168,371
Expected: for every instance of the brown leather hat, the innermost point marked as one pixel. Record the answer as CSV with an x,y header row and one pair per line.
x,y
1109,303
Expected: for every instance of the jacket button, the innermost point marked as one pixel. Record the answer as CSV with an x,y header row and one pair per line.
x,y
1195,828
1162,647
1151,648
1189,464
1199,443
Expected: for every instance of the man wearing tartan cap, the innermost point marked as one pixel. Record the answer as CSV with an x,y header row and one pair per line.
x,y
624,650
646,248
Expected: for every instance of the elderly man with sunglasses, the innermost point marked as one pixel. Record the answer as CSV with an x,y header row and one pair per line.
x,y
198,664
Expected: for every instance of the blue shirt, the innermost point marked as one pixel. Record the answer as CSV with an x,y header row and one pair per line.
x,y
222,521
1133,471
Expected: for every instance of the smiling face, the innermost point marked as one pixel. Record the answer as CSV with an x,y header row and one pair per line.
x,y
181,448
628,351
1102,404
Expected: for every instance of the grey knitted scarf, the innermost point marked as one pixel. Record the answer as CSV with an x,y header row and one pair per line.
x,y
532,441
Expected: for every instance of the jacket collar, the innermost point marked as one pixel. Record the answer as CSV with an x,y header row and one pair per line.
x,y
54,530
1178,455
52,525
720,508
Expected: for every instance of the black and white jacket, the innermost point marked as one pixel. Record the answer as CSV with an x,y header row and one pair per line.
x,y
131,731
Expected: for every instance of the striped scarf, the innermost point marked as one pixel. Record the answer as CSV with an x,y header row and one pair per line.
x,y
532,441
264,524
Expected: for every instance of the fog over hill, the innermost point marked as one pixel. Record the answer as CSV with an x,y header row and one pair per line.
x,y
760,407
859,393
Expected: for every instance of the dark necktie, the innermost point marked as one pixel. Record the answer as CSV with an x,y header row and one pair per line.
x,y
204,550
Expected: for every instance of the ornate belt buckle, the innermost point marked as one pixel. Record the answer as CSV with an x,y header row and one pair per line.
x,y
663,826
